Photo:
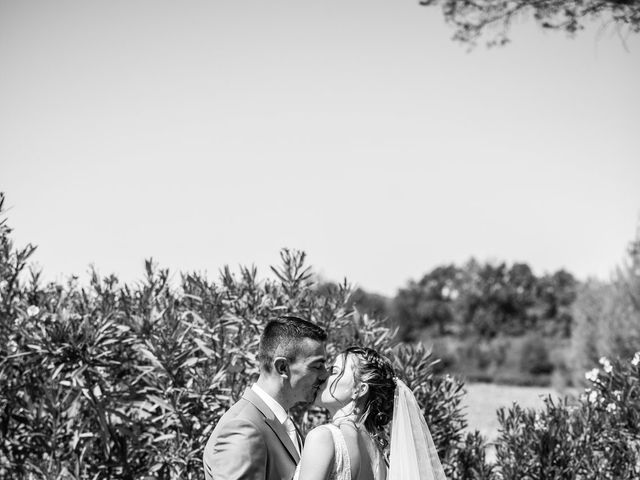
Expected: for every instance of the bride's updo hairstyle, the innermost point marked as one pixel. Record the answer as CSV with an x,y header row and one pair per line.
x,y
374,370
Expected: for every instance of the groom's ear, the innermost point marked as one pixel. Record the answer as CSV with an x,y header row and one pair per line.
x,y
281,366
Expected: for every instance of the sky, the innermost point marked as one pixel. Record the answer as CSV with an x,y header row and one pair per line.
x,y
212,133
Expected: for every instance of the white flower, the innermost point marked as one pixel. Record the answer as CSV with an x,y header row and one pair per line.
x,y
593,397
592,375
97,392
636,359
606,364
617,394
539,424
32,310
612,407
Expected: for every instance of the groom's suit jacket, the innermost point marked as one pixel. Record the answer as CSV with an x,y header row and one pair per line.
x,y
249,443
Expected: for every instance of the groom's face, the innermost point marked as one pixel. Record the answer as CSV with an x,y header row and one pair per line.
x,y
307,372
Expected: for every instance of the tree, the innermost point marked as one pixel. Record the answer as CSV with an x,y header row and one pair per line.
x,y
607,315
557,293
485,300
498,299
428,303
370,303
474,18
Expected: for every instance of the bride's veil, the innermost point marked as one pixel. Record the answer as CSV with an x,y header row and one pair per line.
x,y
413,455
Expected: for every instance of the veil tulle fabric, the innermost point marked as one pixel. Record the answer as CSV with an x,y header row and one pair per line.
x,y
413,454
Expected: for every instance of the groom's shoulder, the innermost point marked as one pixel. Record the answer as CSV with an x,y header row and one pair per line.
x,y
243,409
238,432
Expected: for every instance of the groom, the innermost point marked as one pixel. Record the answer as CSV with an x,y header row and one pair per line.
x,y
255,439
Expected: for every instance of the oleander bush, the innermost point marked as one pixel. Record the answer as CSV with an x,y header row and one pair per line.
x,y
111,380
597,437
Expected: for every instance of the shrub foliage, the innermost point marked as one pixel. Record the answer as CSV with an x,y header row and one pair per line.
x,y
595,438
119,381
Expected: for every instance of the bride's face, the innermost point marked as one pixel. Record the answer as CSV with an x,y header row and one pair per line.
x,y
339,388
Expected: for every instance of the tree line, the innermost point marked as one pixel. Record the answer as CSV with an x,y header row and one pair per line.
x,y
499,321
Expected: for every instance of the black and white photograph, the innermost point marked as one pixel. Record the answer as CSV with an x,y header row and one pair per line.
x,y
320,240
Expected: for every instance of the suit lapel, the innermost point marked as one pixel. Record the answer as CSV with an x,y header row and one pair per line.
x,y
271,420
282,434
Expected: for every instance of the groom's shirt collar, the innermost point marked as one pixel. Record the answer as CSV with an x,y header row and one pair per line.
x,y
276,408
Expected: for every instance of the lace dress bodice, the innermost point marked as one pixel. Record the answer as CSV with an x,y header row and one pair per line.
x,y
341,469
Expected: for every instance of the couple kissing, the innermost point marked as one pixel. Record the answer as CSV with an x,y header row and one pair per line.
x,y
256,439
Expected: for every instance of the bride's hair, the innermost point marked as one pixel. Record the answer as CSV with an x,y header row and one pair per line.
x,y
376,406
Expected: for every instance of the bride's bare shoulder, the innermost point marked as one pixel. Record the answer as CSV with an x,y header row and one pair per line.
x,y
316,462
318,437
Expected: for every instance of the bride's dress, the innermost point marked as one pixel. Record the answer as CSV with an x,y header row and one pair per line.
x,y
341,469
413,453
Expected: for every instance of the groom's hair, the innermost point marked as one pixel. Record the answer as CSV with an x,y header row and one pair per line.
x,y
283,338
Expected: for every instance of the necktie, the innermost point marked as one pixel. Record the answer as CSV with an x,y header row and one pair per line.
x,y
293,433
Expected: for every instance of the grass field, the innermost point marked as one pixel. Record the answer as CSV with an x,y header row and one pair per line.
x,y
483,400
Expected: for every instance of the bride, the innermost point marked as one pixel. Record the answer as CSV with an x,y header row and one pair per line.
x,y
361,395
